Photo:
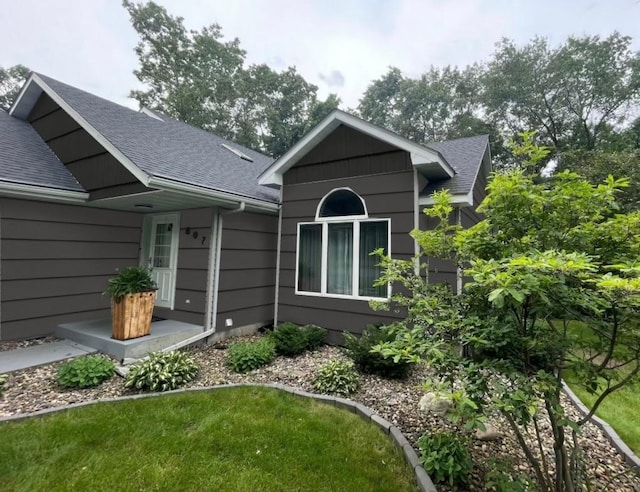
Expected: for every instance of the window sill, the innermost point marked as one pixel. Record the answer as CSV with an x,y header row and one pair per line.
x,y
340,296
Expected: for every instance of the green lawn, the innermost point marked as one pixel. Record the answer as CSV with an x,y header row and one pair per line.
x,y
619,409
236,439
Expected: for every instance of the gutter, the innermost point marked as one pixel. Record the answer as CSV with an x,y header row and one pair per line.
x,y
19,190
213,279
194,190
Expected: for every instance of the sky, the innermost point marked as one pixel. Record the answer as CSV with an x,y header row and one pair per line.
x,y
339,45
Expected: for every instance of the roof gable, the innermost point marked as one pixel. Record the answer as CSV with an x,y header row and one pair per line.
x,y
428,161
158,151
26,159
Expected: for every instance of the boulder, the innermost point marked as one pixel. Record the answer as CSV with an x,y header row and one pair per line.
x,y
490,433
435,403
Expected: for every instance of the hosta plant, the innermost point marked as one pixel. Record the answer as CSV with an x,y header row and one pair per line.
x,y
162,371
85,372
337,377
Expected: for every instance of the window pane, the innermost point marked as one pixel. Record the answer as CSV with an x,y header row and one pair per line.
x,y
373,235
342,202
340,259
310,258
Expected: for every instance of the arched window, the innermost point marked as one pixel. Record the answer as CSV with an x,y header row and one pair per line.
x,y
334,252
342,202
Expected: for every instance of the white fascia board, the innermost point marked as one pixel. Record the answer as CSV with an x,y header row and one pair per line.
x,y
459,199
27,96
273,175
191,190
120,157
33,192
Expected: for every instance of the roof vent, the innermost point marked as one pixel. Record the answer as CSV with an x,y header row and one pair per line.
x,y
237,152
150,113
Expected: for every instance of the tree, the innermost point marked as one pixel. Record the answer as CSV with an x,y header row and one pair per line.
x,y
574,95
596,165
11,81
198,78
442,104
546,256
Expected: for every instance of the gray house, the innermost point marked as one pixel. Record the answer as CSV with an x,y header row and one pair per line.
x,y
235,240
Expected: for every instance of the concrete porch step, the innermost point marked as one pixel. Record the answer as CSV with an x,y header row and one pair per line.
x,y
97,334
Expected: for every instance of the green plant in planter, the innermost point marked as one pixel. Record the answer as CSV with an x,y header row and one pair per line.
x,y
130,280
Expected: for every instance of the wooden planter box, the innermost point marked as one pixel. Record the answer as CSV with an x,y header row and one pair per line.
x,y
131,315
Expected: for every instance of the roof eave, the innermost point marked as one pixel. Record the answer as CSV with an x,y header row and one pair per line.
x,y
458,199
162,183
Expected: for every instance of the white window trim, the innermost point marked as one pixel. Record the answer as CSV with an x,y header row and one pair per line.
x,y
355,282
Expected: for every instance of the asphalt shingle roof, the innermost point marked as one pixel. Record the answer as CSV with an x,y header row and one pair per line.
x,y
170,149
26,159
464,155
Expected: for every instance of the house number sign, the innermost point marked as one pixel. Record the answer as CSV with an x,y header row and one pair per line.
x,y
194,235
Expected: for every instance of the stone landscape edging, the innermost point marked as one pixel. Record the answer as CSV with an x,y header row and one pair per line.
x,y
612,436
422,478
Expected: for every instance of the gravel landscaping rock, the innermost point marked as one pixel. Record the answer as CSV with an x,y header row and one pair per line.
x,y
395,401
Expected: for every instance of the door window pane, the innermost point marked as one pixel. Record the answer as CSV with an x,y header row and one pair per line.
x,y
162,246
340,259
310,258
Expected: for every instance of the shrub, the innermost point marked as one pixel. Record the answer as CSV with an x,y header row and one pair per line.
x,y
337,377
247,356
85,372
291,339
162,371
288,339
314,336
3,380
359,350
445,457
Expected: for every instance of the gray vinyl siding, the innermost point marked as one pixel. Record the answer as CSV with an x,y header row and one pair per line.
x,y
247,270
193,263
388,195
56,260
95,169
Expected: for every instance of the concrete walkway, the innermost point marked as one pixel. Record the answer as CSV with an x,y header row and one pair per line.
x,y
37,355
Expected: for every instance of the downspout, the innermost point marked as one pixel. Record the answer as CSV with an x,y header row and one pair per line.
x,y
459,268
213,278
277,294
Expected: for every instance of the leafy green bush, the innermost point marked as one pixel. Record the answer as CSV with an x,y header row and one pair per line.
x,y
359,350
3,380
445,457
130,281
247,356
85,372
291,339
337,377
162,371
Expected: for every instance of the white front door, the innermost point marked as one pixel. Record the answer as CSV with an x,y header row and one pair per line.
x,y
163,256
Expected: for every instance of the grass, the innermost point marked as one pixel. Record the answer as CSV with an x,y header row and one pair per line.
x,y
620,409
235,439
